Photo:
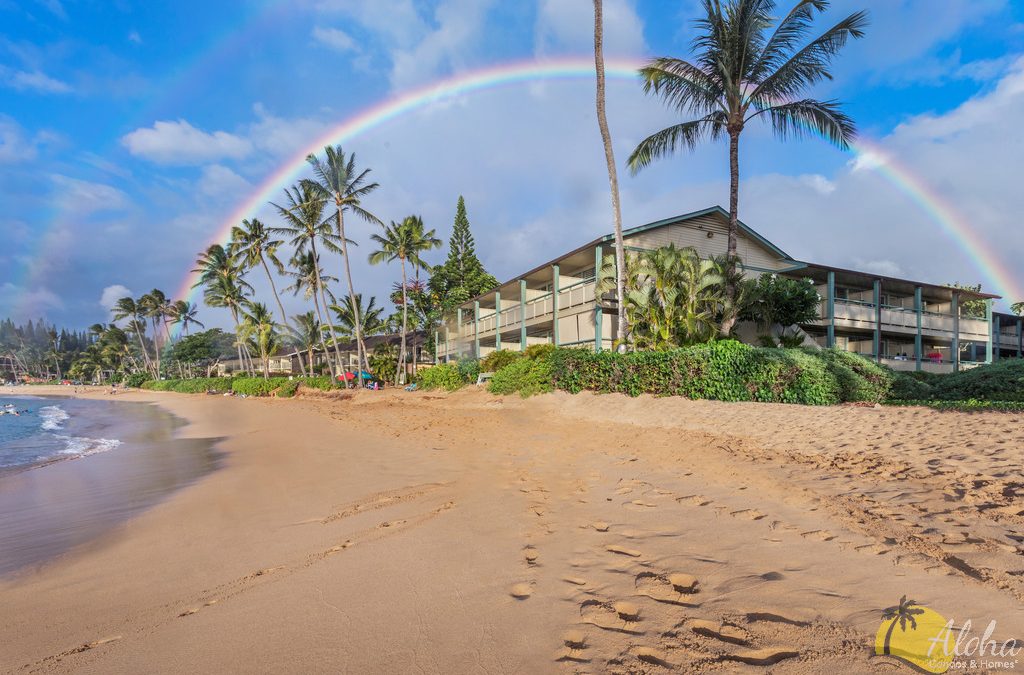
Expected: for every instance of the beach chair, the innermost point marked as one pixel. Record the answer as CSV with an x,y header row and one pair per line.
x,y
484,377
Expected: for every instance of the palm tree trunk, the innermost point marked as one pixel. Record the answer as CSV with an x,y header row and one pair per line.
x,y
405,326
334,335
360,349
284,317
238,342
156,347
734,201
613,176
142,346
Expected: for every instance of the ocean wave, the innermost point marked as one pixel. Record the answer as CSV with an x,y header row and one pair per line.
x,y
53,417
78,446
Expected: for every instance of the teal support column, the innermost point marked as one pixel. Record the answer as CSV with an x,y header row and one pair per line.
x,y
919,308
1020,338
955,309
598,310
497,320
996,329
991,337
830,304
555,291
878,319
458,328
476,329
522,315
437,347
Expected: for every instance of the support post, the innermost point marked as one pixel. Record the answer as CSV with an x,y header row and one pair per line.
x,y
1020,338
497,320
437,346
458,327
830,303
476,329
878,320
555,292
598,310
955,308
522,315
919,309
997,328
991,337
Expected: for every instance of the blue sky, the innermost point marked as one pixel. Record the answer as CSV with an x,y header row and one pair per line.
x,y
128,132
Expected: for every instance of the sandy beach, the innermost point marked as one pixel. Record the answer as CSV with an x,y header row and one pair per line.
x,y
392,532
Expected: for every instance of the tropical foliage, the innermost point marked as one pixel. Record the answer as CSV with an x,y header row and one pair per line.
x,y
749,63
772,300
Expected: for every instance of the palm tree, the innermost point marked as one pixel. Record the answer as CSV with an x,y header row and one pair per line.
x,y
304,223
404,242
338,180
902,614
127,308
743,70
185,313
223,286
309,275
613,176
252,246
1017,308
154,304
306,335
358,319
259,328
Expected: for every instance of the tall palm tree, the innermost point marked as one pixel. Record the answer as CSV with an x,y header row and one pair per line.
x,y
304,223
259,328
405,241
127,308
223,286
338,180
252,246
185,313
363,319
743,70
613,175
306,335
154,305
305,268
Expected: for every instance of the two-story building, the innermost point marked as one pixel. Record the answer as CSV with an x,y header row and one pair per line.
x,y
905,324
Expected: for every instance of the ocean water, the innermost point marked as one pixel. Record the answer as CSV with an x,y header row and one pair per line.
x,y
73,470
49,430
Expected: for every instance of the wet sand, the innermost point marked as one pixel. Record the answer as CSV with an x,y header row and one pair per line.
x,y
395,532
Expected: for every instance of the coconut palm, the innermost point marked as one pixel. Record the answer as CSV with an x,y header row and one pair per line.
x,y
358,320
338,180
613,176
154,304
405,242
306,335
304,223
127,308
223,286
184,312
259,329
252,246
743,69
901,614
305,269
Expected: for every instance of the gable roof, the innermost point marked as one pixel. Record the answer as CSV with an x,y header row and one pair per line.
x,y
697,214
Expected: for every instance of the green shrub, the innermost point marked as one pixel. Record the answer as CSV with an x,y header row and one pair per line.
x,y
257,386
469,370
906,387
442,376
497,360
199,385
541,351
135,380
323,383
999,381
859,379
288,389
726,370
969,405
525,377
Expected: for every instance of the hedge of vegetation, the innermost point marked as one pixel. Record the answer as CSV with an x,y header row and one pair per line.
x,y
992,386
442,376
248,386
526,376
968,405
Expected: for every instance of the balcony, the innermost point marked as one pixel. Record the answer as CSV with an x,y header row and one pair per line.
x,y
535,310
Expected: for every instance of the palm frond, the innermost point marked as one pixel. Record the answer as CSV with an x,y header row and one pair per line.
x,y
824,118
686,135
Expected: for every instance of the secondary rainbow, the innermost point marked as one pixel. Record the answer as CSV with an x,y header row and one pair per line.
x,y
954,224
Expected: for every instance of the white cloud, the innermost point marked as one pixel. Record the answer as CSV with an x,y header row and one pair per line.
x,y
568,26
54,7
23,303
35,80
14,146
279,136
220,182
885,268
335,39
818,183
181,143
111,294
82,197
133,36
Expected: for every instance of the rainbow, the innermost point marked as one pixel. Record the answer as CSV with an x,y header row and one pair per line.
x,y
937,207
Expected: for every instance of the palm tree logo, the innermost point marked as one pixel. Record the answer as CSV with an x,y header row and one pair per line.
x,y
901,614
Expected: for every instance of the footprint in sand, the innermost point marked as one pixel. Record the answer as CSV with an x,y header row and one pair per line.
x,y
622,550
574,643
653,657
696,500
819,535
667,588
762,657
530,555
642,503
752,514
618,616
521,591
600,526
576,581
719,631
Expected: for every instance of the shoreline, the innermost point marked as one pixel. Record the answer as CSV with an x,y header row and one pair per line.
x,y
452,532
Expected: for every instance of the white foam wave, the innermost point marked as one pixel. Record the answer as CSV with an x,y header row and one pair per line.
x,y
53,416
78,446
